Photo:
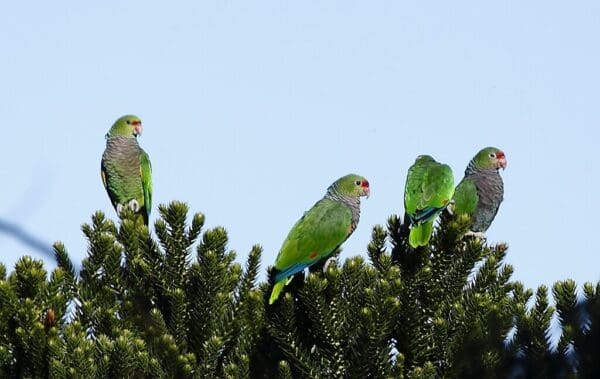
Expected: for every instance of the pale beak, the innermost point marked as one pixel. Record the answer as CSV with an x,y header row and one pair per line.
x,y
138,129
502,163
367,192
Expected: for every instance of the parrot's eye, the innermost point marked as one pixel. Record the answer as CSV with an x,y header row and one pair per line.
x,y
357,182
492,155
128,122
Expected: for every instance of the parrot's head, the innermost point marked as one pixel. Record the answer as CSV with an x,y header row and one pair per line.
x,y
424,158
490,158
126,126
352,186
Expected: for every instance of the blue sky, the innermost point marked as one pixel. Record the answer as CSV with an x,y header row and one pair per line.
x,y
251,110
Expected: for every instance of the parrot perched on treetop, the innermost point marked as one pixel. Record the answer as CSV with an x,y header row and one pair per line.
x,y
320,230
428,191
125,168
481,191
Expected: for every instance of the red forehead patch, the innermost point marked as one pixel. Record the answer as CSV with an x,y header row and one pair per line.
x,y
500,154
365,183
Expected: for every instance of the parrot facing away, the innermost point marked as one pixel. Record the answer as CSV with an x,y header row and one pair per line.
x,y
125,168
481,191
321,230
428,191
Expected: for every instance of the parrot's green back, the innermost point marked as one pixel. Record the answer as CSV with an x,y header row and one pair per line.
x,y
323,228
320,231
465,197
429,189
126,169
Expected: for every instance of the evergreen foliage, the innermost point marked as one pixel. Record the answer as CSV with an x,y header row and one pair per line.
x,y
139,308
178,305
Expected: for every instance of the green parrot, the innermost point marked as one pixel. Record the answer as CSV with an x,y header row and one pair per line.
x,y
481,191
320,230
125,168
428,191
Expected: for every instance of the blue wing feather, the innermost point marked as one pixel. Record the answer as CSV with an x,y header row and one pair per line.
x,y
292,270
424,215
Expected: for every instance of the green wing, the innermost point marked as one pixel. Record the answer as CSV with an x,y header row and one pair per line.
x,y
465,197
438,187
146,174
323,228
429,188
412,189
104,176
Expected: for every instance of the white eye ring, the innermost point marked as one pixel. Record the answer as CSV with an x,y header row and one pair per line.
x,y
492,155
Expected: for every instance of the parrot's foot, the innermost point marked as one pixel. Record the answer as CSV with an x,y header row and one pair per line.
x,y
479,235
450,208
329,261
134,205
120,208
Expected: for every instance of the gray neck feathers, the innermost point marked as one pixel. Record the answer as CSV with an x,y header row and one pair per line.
x,y
125,151
119,142
353,202
491,175
489,181
471,169
490,190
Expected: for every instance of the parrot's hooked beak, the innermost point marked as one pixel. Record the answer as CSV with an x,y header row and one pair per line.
x,y
137,126
501,159
502,163
366,189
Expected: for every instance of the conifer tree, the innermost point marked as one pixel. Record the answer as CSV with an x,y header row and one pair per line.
x,y
410,313
178,305
138,308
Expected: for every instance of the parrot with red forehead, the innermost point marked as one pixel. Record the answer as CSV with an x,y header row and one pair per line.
x,y
125,168
481,191
427,192
321,230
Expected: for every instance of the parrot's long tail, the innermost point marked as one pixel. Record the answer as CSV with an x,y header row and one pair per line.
x,y
420,234
277,288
